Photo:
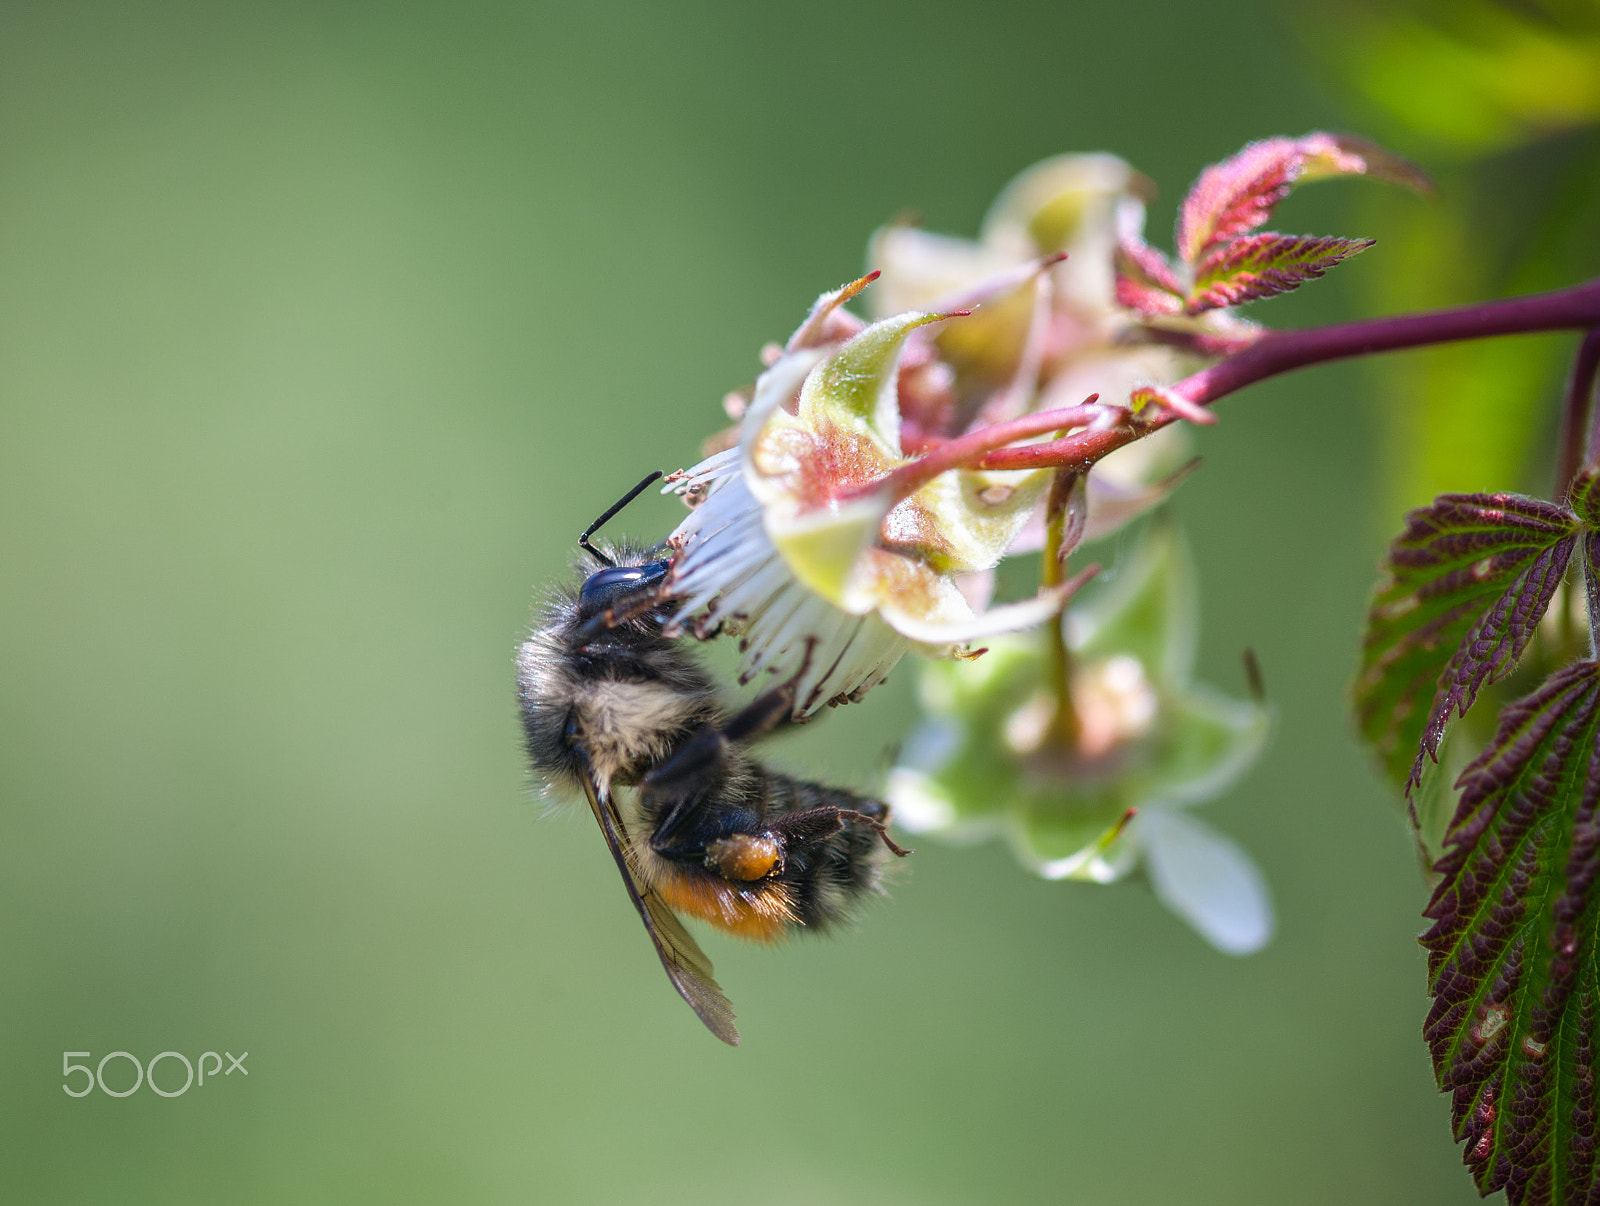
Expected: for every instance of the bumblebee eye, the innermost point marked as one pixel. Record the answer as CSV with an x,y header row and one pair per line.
x,y
608,587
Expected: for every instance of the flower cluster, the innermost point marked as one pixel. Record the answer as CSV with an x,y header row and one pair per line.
x,y
856,516
1003,395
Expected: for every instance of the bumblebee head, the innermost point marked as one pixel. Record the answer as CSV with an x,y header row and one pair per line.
x,y
617,585
619,594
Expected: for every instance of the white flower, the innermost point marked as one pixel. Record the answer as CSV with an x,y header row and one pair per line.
x,y
740,582
825,547
820,542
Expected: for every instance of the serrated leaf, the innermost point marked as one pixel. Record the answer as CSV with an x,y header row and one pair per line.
x,y
1583,496
1591,582
1264,265
1511,953
1468,581
1144,280
1235,196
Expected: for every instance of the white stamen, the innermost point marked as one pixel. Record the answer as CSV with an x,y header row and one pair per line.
x,y
728,572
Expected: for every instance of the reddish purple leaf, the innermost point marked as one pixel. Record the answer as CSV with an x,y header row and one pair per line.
x,y
1236,195
1511,953
1239,194
1145,281
1468,581
1262,265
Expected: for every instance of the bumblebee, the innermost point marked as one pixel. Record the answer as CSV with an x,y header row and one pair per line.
x,y
615,710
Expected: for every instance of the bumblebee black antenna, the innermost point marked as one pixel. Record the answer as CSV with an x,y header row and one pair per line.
x,y
583,541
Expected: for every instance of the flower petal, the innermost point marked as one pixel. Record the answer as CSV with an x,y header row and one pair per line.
x,y
1151,609
1207,879
1068,203
855,387
1112,506
1212,741
824,547
774,387
917,803
918,268
1009,617
849,660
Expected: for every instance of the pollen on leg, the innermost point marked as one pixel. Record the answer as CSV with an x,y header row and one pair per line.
x,y
745,856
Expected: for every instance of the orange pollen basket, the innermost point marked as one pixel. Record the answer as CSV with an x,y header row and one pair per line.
x,y
744,857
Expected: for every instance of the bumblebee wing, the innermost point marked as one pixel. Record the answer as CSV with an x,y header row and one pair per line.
x,y
687,965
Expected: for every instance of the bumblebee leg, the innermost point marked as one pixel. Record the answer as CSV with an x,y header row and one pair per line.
x,y
673,790
809,827
816,824
699,756
674,812
762,715
879,827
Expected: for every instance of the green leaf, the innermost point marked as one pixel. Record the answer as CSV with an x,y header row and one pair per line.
x,y
1511,954
1468,581
1583,496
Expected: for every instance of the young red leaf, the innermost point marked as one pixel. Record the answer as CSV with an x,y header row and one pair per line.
x,y
1467,582
1262,265
1349,154
1145,281
1511,953
1235,196
1146,395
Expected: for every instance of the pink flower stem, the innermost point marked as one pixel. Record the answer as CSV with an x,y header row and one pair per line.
x,y
963,450
1280,352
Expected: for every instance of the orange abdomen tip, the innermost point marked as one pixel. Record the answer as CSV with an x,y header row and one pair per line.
x,y
761,914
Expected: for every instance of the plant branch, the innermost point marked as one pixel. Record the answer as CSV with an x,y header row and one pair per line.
x,y
1279,352
1058,542
964,450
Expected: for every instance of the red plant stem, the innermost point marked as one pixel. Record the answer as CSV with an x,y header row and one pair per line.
x,y
1580,434
952,454
1078,452
1280,352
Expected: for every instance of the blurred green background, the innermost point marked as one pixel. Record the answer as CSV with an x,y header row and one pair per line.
x,y
323,330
